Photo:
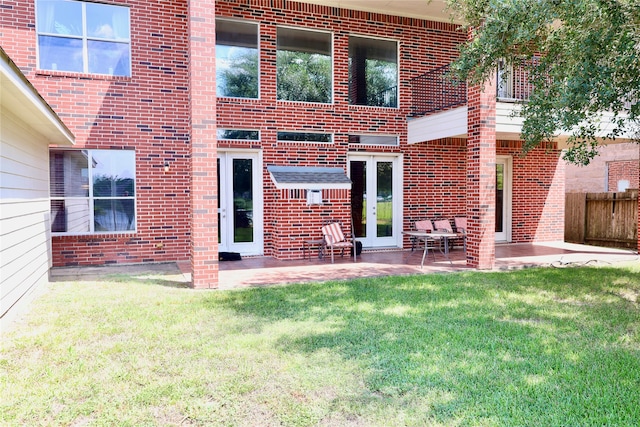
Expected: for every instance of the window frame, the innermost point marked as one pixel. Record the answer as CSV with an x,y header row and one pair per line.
x,y
374,136
85,39
332,71
91,198
397,59
303,141
257,27
222,137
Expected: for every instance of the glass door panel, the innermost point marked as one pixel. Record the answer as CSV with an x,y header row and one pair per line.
x,y
503,199
499,198
243,200
239,203
384,199
374,203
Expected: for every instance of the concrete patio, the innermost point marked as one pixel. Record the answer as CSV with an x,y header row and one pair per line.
x,y
260,271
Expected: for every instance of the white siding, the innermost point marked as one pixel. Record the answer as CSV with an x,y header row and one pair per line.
x,y
448,124
24,212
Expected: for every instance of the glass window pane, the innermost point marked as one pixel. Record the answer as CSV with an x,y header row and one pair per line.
x,y
303,137
113,173
373,72
70,216
107,22
60,17
238,134
236,59
373,139
114,215
304,70
57,53
69,173
108,58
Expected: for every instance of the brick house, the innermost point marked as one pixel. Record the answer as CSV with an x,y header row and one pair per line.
x,y
182,110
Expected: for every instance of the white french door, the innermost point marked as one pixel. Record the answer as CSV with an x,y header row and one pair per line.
x,y
376,199
240,202
503,198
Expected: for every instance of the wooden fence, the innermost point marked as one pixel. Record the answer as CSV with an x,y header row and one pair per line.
x,y
604,219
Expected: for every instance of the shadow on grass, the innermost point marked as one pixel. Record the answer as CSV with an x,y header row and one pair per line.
x,y
560,347
147,278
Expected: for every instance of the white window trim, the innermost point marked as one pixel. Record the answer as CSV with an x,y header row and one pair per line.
x,y
91,198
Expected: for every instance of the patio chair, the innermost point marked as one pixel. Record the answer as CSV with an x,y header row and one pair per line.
x,y
445,225
334,238
429,242
461,229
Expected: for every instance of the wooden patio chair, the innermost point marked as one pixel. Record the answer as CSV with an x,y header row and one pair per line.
x,y
334,238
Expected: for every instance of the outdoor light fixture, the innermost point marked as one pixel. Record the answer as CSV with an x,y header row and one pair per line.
x,y
166,167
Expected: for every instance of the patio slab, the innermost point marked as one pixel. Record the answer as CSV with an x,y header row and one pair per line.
x,y
261,271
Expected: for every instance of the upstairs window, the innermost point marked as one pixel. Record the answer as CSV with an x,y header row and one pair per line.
x,y
304,69
373,72
82,37
92,191
236,59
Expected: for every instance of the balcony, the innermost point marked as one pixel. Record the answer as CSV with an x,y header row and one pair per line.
x,y
439,105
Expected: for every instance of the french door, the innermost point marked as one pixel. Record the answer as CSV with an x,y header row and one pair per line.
x,y
376,199
240,213
503,199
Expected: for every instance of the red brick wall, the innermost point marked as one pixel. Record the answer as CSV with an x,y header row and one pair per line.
x,y
538,192
150,112
147,112
623,170
423,46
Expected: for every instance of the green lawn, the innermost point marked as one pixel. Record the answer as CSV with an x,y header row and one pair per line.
x,y
537,347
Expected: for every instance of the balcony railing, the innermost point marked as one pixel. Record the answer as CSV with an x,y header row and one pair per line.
x,y
513,83
385,98
436,90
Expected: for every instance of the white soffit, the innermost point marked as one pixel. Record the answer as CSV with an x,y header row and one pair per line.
x,y
20,98
434,10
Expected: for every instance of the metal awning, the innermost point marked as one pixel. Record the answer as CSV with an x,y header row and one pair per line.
x,y
309,178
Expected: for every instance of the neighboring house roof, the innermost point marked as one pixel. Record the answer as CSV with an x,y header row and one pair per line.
x,y
308,178
20,98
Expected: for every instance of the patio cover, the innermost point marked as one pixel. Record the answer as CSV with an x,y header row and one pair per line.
x,y
309,178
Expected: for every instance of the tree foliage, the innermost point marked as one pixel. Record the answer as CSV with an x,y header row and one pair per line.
x,y
303,76
582,57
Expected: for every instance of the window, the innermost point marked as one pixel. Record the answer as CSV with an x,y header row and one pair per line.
x,y
373,72
236,59
304,65
238,134
373,139
83,37
92,191
304,137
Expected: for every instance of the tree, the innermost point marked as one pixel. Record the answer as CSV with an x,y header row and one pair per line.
x,y
581,56
303,76
239,76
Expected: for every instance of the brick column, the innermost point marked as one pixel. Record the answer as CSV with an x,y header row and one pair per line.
x,y
202,91
481,175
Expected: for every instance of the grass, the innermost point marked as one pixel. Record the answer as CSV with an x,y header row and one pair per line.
x,y
547,347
